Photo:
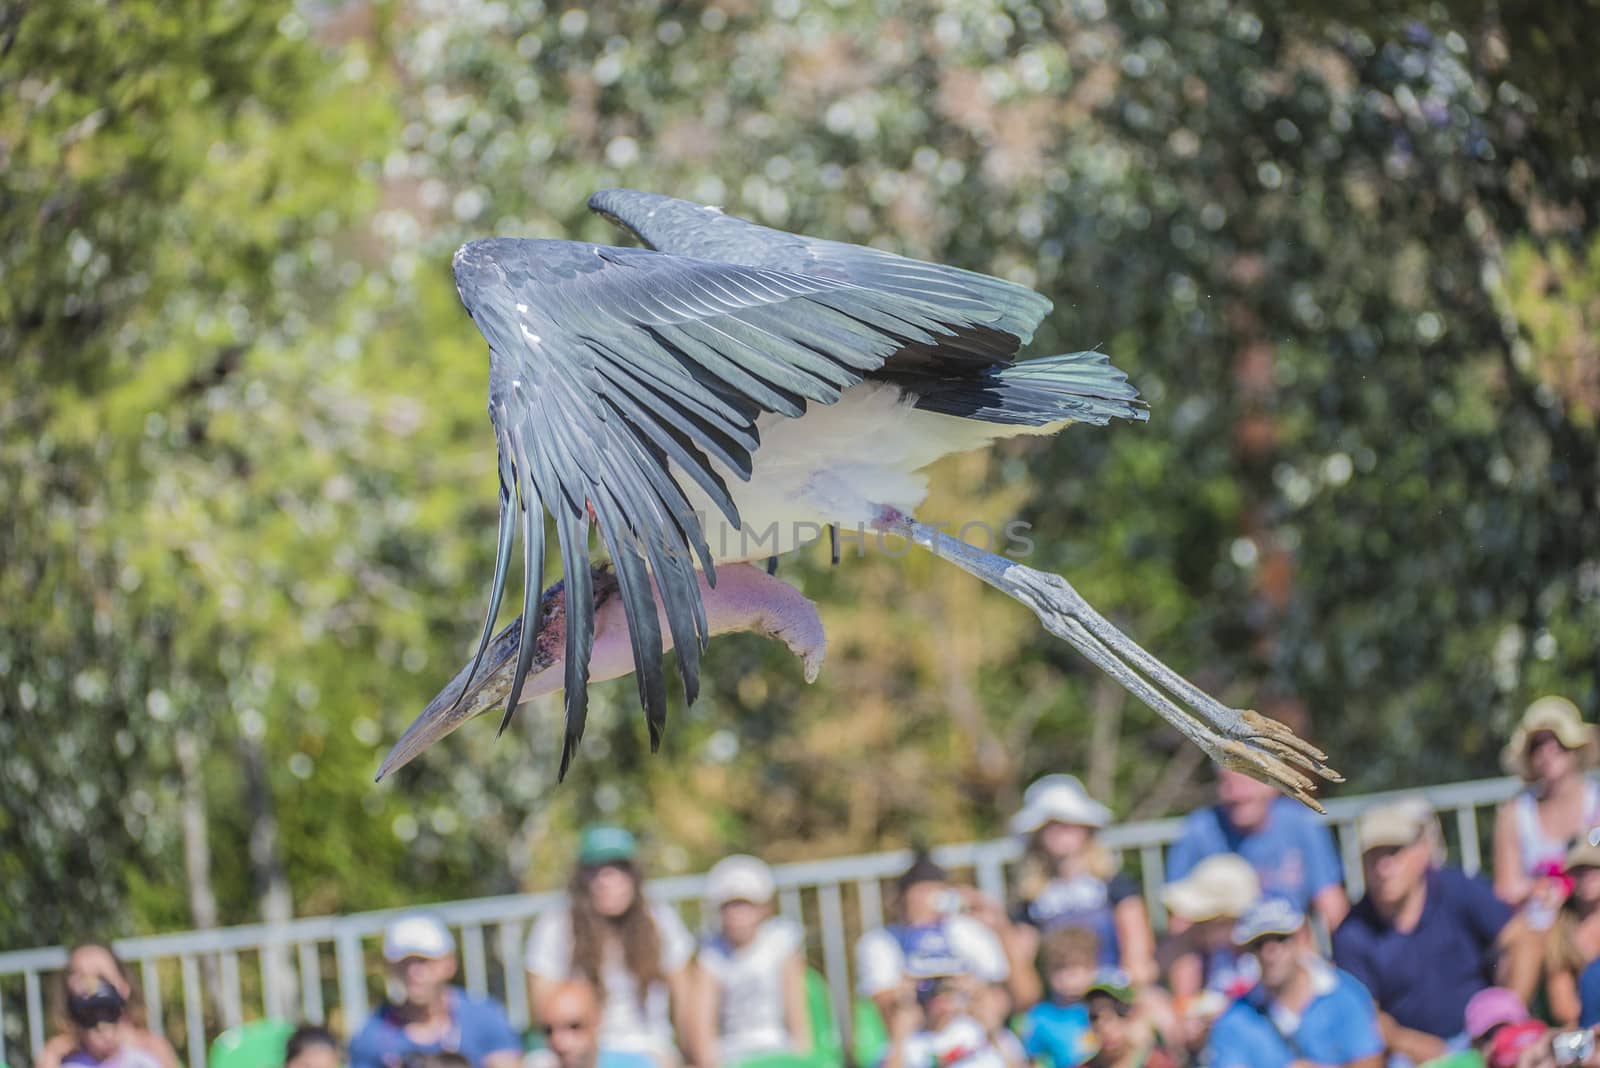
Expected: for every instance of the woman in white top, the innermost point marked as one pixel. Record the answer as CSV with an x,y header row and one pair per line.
x,y
1552,750
750,989
636,953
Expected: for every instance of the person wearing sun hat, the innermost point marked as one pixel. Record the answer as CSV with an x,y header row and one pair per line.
x,y
1552,751
1068,878
1302,1009
1426,937
1206,970
1497,1027
750,983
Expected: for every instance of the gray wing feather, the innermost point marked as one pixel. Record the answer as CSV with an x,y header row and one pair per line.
x,y
688,229
606,365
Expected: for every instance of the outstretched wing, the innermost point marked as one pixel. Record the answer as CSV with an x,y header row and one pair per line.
x,y
606,365
688,229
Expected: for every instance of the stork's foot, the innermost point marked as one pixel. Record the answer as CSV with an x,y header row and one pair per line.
x,y
1240,739
1271,752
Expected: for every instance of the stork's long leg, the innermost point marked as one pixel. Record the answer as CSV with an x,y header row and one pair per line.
x,y
1236,738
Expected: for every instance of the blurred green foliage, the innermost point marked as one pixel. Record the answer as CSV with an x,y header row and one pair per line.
x,y
250,488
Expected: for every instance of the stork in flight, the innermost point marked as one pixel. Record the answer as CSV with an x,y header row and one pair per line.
x,y
723,396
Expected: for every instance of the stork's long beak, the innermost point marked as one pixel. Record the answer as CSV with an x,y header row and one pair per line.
x,y
745,598
452,707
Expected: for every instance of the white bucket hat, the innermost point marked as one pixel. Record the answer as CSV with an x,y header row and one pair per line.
x,y
1058,799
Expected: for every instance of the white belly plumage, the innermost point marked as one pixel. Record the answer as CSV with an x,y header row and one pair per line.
x,y
838,463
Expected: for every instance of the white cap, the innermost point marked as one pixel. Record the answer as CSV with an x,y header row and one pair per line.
x,y
1221,885
1058,799
739,878
1269,915
417,935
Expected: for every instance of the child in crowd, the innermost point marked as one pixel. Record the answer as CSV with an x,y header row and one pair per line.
x,y
1055,1032
311,1046
750,986
935,1028
1122,1036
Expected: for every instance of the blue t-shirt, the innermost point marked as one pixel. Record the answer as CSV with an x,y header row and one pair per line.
x,y
1082,901
928,950
624,1058
1424,979
478,1027
1340,1025
1292,853
1057,1035
1589,995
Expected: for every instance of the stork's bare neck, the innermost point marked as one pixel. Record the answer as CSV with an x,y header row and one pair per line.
x,y
744,598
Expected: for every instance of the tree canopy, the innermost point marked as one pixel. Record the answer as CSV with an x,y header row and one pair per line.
x,y
1349,257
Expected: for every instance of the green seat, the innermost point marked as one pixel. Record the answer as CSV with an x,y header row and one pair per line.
x,y
869,1038
827,1050
778,1060
257,1044
827,1047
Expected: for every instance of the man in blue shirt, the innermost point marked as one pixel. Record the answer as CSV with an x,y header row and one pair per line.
x,y
1292,853
1425,939
431,1016
1302,1010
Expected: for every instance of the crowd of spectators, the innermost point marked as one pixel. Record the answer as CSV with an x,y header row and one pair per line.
x,y
1265,962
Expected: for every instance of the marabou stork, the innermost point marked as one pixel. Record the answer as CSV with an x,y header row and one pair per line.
x,y
724,395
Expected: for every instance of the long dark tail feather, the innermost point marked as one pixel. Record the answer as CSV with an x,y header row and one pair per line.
x,y
532,581
1081,386
580,641
502,558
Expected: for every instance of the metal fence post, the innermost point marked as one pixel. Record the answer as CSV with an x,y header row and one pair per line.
x,y
352,980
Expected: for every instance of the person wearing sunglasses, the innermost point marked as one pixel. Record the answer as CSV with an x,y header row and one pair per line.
x,y
1302,1011
425,1013
635,951
570,1015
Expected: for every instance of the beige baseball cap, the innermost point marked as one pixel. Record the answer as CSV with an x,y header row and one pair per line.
x,y
1399,823
1220,885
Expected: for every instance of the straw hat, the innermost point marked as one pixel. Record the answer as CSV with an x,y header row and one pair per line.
x,y
1585,852
1561,718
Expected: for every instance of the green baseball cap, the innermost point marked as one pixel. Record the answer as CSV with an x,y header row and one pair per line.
x,y
1114,983
603,844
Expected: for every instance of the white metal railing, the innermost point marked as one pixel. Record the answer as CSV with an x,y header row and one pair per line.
x,y
319,969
